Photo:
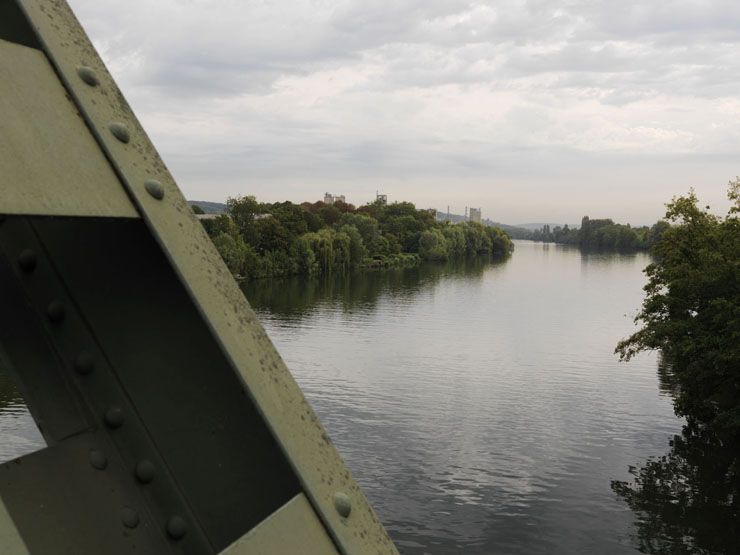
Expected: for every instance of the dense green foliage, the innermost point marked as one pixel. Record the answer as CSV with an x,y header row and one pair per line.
x,y
262,239
603,235
691,312
687,501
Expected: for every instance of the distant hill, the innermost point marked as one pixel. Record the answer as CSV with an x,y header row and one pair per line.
x,y
454,218
209,207
533,227
516,232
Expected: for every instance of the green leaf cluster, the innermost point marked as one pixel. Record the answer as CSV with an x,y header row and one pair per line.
x,y
273,239
691,312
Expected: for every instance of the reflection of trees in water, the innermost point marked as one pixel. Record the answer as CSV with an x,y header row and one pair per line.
x,y
9,394
689,500
296,296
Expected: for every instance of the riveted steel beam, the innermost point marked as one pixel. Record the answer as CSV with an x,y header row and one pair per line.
x,y
50,162
176,366
307,536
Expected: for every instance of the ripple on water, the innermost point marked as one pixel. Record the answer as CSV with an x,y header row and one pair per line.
x,y
486,411
18,431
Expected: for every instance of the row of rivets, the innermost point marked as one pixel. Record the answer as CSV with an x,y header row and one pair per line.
x,y
176,527
84,365
120,130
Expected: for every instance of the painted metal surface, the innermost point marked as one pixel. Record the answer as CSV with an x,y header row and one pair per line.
x,y
10,540
164,360
293,528
39,123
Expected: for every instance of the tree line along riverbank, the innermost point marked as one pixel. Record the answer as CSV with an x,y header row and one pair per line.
x,y
602,234
278,239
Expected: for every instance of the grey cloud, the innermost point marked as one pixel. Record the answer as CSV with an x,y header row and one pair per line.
x,y
437,90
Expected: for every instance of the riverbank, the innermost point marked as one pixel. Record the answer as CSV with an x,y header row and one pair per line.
x,y
260,240
602,235
493,389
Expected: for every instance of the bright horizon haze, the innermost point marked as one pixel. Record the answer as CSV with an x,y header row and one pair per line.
x,y
535,111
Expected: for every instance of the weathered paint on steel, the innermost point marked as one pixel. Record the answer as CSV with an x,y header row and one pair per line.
x,y
211,286
11,542
50,163
293,528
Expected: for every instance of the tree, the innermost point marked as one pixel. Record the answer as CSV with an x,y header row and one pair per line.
x,y
330,214
233,250
691,311
357,250
220,224
477,240
290,216
433,245
455,240
271,235
501,244
242,211
366,226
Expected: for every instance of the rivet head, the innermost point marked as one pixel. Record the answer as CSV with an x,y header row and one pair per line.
x,y
87,74
55,311
176,527
129,517
84,362
342,503
144,471
155,189
120,131
27,261
98,459
113,417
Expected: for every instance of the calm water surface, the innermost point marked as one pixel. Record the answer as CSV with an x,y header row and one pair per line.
x,y
480,406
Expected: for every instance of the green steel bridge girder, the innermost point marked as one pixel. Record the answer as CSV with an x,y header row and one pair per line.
x,y
171,421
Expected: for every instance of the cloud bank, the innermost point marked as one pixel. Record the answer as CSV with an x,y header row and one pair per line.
x,y
534,110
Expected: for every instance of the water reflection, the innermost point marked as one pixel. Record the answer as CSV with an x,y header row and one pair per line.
x,y
293,297
687,501
9,394
18,432
480,407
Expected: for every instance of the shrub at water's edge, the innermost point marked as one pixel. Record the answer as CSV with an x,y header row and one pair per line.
x,y
278,239
689,500
691,311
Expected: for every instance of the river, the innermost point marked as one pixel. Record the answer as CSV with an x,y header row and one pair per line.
x,y
480,405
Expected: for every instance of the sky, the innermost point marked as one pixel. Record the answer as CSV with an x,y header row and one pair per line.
x,y
533,110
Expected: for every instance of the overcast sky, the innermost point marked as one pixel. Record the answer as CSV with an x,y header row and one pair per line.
x,y
541,110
